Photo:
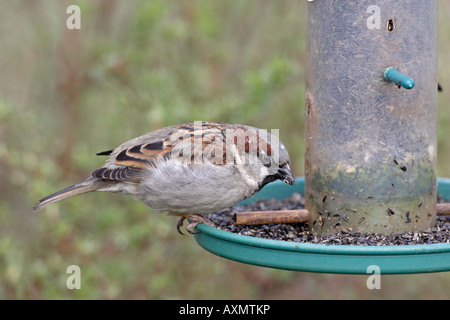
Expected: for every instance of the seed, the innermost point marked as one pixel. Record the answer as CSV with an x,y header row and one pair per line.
x,y
403,168
299,232
321,221
408,220
390,211
324,198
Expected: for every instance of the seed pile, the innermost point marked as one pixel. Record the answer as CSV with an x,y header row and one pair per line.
x,y
298,232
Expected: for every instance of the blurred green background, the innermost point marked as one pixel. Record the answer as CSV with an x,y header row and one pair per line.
x,y
136,66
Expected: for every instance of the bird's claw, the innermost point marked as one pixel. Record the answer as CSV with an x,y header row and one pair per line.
x,y
196,219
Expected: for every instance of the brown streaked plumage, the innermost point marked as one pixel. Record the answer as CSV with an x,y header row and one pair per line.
x,y
189,169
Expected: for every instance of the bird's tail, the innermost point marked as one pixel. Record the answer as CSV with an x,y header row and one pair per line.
x,y
68,192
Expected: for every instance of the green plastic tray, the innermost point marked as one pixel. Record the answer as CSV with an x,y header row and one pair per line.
x,y
322,258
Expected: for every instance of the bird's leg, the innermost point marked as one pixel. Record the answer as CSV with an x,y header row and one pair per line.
x,y
196,219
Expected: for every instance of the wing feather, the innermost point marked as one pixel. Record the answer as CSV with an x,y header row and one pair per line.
x,y
188,143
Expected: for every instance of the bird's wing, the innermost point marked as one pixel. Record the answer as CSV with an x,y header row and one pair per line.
x,y
127,165
188,143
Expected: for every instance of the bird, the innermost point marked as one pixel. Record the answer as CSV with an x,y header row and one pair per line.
x,y
189,170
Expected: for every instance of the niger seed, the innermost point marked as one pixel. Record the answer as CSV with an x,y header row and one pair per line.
x,y
299,232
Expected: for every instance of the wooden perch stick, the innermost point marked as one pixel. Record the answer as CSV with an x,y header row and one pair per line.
x,y
443,209
295,216
269,217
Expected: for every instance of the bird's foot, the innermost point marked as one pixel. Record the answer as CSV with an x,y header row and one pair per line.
x,y
196,219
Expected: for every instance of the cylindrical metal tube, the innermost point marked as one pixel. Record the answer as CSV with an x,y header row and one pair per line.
x,y
370,144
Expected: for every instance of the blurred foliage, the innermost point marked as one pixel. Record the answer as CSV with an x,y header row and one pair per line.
x,y
136,66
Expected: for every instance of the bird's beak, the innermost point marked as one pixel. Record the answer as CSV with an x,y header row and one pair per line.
x,y
285,175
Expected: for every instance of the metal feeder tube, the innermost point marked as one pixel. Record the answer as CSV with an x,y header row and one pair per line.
x,y
371,116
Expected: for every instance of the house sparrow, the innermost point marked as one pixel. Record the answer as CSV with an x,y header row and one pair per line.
x,y
189,169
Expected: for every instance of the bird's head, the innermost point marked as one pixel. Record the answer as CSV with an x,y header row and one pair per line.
x,y
265,157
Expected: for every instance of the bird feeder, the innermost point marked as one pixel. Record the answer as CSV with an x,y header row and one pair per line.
x,y
371,137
